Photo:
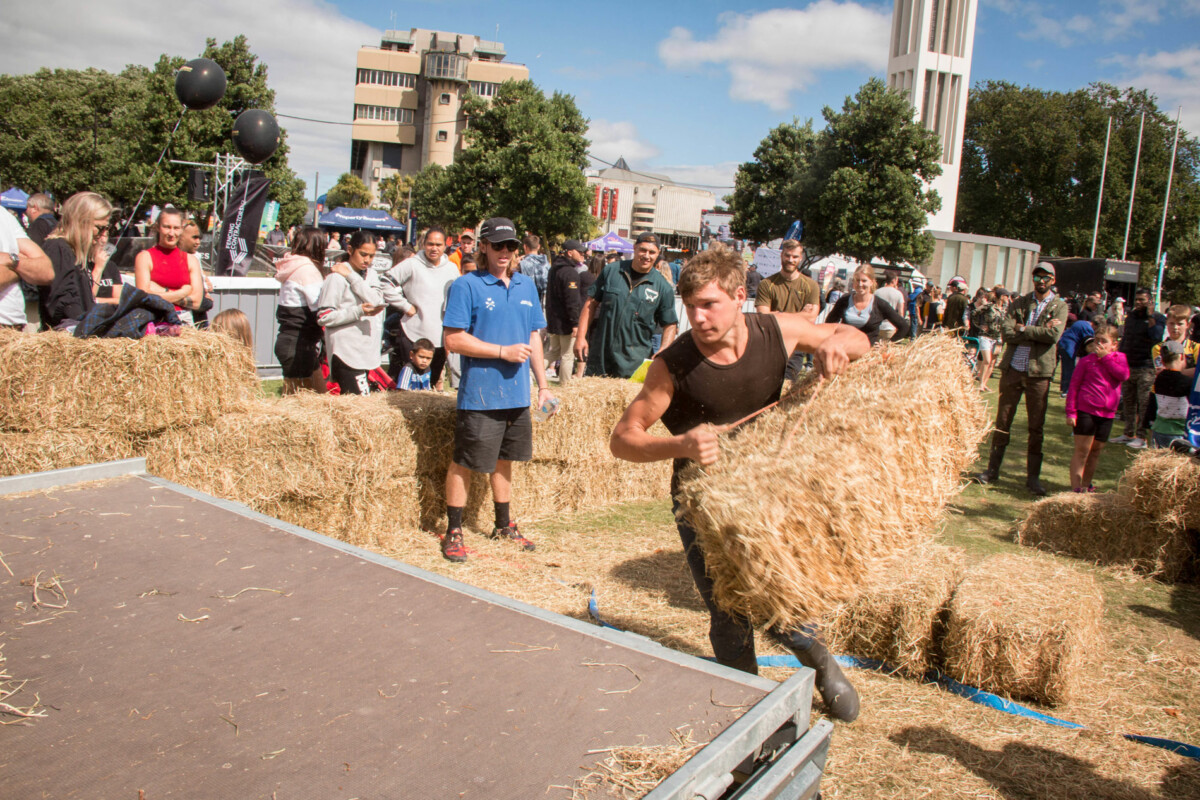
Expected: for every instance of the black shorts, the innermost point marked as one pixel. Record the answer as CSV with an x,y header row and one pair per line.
x,y
483,437
349,379
298,344
1090,425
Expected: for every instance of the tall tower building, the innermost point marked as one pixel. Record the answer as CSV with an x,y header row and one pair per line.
x,y
408,96
930,58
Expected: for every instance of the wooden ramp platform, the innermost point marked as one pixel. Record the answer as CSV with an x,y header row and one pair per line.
x,y
182,646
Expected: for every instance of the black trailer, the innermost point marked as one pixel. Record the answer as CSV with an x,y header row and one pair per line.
x,y
170,644
1081,276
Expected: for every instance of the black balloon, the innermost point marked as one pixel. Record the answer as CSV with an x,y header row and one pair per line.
x,y
255,135
200,84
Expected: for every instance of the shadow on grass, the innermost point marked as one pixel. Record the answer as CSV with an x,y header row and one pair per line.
x,y
1184,613
664,572
1020,771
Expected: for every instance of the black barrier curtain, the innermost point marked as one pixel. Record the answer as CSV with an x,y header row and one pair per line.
x,y
239,228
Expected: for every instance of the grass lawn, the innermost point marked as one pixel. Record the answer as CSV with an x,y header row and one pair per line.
x,y
912,740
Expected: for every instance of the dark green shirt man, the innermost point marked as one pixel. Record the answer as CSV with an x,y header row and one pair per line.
x,y
629,301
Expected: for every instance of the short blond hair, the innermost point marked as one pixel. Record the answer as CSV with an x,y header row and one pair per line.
x,y
717,263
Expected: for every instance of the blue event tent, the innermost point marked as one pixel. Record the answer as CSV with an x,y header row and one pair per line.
x,y
14,198
369,219
611,242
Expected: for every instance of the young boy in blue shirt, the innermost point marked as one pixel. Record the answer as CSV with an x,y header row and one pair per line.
x,y
415,375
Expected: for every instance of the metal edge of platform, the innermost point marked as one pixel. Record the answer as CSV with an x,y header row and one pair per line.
x,y
137,467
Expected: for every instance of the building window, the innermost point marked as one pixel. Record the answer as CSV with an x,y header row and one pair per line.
x,y
484,89
442,136
404,116
445,66
383,77
444,99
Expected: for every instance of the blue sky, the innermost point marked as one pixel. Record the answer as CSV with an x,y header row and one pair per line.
x,y
683,88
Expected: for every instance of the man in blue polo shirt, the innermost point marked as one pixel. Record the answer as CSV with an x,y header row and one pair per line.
x,y
493,321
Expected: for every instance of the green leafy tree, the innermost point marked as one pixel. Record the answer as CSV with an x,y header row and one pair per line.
x,y
348,192
71,130
865,194
759,201
394,194
523,158
1032,161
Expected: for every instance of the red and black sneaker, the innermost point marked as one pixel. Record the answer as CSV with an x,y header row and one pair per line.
x,y
452,546
511,533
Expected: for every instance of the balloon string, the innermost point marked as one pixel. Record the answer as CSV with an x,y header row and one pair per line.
x,y
161,156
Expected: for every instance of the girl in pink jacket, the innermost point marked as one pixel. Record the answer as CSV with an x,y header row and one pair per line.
x,y
1092,402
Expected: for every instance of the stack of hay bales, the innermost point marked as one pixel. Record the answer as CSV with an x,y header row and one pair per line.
x,y
360,468
572,468
340,465
899,618
1023,627
65,402
809,498
1143,526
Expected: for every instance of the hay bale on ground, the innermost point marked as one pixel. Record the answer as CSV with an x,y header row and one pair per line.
x,y
338,465
49,449
1107,529
809,498
121,386
900,618
358,468
1024,627
1164,485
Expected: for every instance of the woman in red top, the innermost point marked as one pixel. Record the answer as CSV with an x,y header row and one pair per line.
x,y
167,271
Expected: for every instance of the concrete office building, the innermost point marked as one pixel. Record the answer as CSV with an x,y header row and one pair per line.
x,y
408,97
630,203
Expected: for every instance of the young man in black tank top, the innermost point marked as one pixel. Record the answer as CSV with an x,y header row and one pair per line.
x,y
727,366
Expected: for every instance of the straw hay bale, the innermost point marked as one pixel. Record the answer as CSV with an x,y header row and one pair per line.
x,y
807,499
1164,485
361,467
1024,627
900,618
49,449
124,386
339,465
1107,529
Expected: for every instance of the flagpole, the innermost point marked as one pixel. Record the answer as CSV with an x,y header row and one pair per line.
x,y
1100,198
1166,204
1133,187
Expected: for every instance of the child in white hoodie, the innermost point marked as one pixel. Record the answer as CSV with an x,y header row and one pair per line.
x,y
350,307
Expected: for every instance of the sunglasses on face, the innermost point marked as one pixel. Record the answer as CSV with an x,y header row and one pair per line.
x,y
509,246
1041,278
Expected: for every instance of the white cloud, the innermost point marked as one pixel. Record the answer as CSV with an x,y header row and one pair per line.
x,y
1172,76
613,140
771,54
1109,20
309,48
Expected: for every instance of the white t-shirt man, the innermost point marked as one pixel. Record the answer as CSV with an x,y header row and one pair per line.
x,y
12,299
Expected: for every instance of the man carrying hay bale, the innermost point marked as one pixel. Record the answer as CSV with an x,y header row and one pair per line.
x,y
728,366
494,321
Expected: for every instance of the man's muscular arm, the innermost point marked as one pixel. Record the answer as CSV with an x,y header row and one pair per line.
x,y
632,441
833,346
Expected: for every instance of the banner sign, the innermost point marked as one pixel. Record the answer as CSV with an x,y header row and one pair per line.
x,y
766,261
239,229
714,225
1193,418
269,218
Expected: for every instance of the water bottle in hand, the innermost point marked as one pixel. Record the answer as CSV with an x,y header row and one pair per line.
x,y
547,410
